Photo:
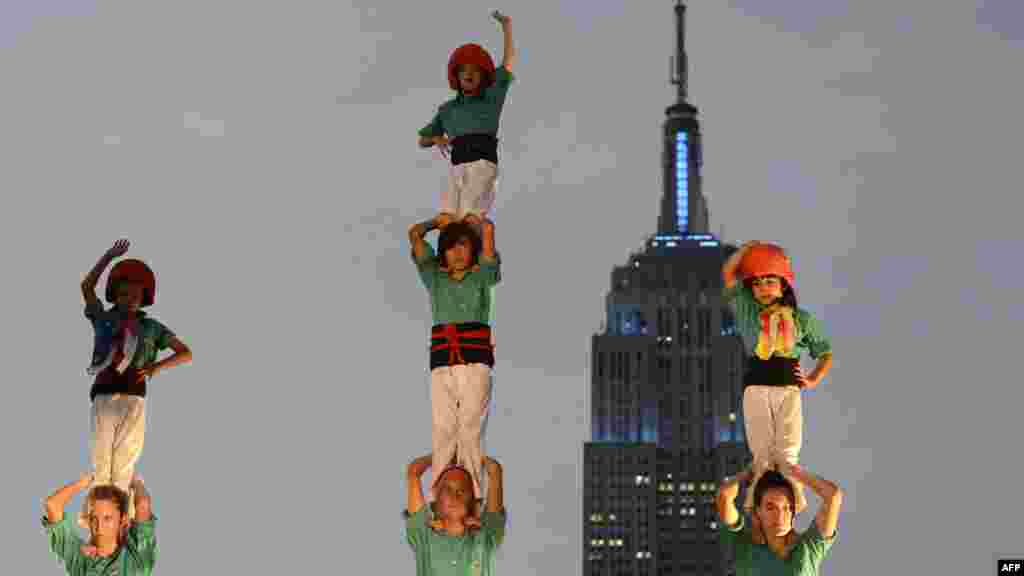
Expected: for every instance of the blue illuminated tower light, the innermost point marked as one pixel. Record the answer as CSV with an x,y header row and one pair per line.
x,y
682,182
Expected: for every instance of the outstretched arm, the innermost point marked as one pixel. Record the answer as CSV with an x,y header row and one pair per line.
x,y
510,55
93,277
725,501
495,485
827,518
58,500
415,492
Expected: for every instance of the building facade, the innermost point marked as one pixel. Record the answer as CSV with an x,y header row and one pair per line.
x,y
666,384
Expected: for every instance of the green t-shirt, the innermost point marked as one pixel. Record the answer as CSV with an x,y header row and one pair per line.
x,y
455,302
439,554
472,114
135,557
154,336
810,335
804,558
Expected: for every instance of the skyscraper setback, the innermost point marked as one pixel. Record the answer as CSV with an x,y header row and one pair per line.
x,y
666,383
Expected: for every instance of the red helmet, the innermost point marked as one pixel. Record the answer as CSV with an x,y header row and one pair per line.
x,y
134,271
470,54
766,260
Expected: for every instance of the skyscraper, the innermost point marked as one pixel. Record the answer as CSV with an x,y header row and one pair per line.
x,y
666,377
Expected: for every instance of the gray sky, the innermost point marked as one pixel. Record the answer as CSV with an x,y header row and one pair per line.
x,y
261,157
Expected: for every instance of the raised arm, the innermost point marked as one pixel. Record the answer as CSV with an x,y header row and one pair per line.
x,y
93,277
729,269
489,250
418,231
495,485
415,491
725,500
486,235
510,55
58,500
827,518
143,503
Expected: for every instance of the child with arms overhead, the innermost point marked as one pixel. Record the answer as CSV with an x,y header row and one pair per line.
x,y
459,279
441,534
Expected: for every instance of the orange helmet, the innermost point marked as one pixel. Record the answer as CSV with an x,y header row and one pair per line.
x,y
766,260
134,271
470,54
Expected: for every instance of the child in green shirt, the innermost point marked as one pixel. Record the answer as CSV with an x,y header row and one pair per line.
x,y
117,544
468,124
126,348
459,278
758,281
442,534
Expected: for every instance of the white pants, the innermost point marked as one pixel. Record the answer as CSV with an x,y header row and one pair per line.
x,y
471,189
118,433
459,398
774,422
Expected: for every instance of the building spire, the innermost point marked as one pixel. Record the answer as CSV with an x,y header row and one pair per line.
x,y
679,61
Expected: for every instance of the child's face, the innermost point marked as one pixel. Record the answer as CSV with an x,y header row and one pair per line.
x,y
459,256
129,295
105,522
454,495
470,76
767,289
775,513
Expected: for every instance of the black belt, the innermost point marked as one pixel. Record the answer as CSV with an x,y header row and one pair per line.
x,y
472,147
774,371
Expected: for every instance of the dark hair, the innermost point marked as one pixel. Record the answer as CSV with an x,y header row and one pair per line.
x,y
452,235
110,493
772,480
788,295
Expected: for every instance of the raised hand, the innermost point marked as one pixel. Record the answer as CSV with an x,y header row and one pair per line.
x,y
504,20
118,249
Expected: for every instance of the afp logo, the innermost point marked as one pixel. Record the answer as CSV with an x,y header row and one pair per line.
x,y
1007,567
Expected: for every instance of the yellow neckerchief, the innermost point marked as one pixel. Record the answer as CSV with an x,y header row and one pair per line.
x,y
778,331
